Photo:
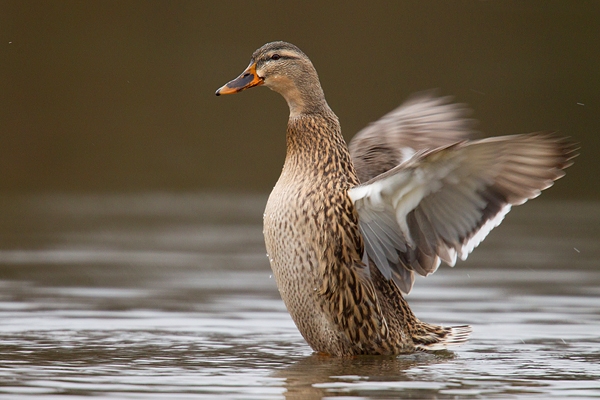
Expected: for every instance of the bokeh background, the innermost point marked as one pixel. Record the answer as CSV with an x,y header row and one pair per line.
x,y
113,96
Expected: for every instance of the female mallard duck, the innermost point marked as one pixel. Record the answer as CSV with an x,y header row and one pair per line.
x,y
343,252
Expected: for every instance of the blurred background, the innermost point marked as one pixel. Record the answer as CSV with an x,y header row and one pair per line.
x,y
113,96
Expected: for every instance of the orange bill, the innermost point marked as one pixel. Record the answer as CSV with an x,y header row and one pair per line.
x,y
246,80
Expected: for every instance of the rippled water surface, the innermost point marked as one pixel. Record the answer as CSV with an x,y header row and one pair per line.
x,y
171,297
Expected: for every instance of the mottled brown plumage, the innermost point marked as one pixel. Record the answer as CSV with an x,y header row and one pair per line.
x,y
342,252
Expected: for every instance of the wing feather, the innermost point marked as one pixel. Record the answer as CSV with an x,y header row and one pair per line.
x,y
424,121
440,204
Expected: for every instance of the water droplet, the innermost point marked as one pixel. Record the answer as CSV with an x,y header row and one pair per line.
x,y
270,276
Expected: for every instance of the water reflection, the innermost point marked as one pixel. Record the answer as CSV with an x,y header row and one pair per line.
x,y
315,376
171,296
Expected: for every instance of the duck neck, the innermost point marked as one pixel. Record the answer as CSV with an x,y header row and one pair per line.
x,y
305,99
315,144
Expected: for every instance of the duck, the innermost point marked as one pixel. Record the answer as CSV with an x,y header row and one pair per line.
x,y
347,227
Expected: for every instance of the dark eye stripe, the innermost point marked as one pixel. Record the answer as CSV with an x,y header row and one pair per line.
x,y
281,57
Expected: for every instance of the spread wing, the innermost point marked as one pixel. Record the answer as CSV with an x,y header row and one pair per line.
x,y
440,204
424,121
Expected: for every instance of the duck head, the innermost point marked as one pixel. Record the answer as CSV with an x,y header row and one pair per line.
x,y
284,68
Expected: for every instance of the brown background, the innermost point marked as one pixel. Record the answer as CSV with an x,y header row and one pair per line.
x,y
119,95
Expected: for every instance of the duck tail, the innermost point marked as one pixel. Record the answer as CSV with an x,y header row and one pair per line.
x,y
433,337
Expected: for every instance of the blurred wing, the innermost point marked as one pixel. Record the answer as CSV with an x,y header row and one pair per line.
x,y
422,122
442,203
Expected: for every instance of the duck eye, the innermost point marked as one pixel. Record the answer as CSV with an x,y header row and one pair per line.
x,y
275,56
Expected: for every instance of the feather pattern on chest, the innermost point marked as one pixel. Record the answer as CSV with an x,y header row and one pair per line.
x,y
311,233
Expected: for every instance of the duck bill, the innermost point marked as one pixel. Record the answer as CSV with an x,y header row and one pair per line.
x,y
249,78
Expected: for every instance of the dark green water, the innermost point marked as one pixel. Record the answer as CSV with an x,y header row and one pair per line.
x,y
164,296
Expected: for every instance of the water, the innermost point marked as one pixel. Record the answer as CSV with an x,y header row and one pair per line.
x,y
171,297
